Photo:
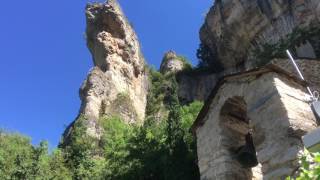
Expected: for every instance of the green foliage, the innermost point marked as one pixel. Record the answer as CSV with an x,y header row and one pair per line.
x,y
166,149
20,160
189,113
159,84
79,152
122,105
115,146
299,36
186,63
208,59
57,164
310,167
158,150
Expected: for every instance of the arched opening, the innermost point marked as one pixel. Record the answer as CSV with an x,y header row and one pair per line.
x,y
237,139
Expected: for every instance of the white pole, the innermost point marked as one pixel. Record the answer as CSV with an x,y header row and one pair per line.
x,y
298,70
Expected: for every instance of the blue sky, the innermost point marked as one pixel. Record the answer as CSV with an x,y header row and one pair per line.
x,y
44,58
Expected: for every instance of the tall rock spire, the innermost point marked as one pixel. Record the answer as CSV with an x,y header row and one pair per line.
x,y
117,84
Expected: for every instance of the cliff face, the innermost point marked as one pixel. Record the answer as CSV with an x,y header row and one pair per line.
x,y
191,86
194,87
117,84
233,28
119,65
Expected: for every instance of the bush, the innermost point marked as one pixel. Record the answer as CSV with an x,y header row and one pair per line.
x,y
20,160
310,167
159,149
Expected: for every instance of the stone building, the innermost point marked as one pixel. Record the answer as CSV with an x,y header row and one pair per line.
x,y
268,102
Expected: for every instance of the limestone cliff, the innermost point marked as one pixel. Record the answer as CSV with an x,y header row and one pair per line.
x,y
117,84
192,85
196,86
234,28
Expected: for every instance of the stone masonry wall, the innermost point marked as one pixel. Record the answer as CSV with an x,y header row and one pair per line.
x,y
276,109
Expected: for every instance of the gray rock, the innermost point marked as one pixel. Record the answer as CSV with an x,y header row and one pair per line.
x,y
233,28
171,63
119,69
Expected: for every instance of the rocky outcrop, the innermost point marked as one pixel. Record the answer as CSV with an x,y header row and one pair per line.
x,y
195,87
234,28
198,86
171,63
117,84
119,64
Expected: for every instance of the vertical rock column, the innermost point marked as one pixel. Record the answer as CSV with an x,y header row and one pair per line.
x,y
117,84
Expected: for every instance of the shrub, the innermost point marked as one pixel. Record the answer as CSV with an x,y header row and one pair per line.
x,y
310,167
20,160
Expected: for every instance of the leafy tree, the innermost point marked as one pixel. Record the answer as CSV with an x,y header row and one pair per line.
x,y
310,167
160,149
80,152
59,171
114,142
20,160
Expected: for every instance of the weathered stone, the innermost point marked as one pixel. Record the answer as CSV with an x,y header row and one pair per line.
x,y
233,28
171,63
116,52
306,51
196,86
270,102
117,85
309,69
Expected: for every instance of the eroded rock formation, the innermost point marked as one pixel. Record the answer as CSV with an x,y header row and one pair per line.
x,y
234,28
117,84
171,63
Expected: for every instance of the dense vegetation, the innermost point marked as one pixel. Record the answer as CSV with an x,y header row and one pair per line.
x,y
162,148
20,160
310,167
208,59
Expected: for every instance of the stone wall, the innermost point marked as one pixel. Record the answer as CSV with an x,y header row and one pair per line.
x,y
309,68
278,114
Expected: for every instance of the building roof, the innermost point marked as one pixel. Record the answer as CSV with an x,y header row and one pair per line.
x,y
254,72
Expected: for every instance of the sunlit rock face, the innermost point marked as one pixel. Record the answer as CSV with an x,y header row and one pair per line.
x,y
171,63
233,28
117,84
119,66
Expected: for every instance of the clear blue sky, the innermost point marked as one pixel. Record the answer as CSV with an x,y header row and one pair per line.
x,y
44,58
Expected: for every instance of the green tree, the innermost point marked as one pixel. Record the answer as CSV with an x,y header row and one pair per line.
x,y
310,167
21,160
82,152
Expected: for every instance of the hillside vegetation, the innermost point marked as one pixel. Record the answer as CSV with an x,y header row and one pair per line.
x,y
162,148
